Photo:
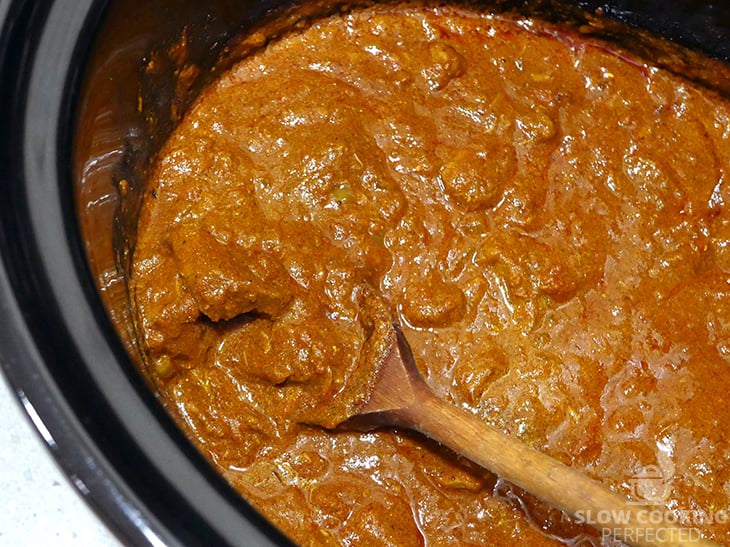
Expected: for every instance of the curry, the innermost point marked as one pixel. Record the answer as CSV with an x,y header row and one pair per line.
x,y
544,215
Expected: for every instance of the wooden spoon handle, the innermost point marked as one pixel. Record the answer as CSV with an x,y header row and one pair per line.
x,y
548,479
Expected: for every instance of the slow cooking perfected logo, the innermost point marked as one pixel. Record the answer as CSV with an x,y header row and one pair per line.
x,y
651,520
650,486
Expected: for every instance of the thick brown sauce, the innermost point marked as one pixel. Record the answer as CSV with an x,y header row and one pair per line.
x,y
547,219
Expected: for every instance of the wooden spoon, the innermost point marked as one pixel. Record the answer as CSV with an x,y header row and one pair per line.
x,y
400,397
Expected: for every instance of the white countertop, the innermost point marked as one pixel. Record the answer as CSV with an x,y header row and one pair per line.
x,y
38,506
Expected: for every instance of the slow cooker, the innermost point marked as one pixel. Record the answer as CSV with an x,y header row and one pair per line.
x,y
81,116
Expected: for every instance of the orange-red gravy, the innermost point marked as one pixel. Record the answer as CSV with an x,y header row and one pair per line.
x,y
547,219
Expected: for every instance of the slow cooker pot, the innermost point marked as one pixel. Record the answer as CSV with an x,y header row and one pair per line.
x,y
81,115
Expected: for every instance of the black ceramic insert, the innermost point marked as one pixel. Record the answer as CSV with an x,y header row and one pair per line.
x,y
58,348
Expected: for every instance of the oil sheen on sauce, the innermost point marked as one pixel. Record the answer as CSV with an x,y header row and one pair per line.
x,y
546,218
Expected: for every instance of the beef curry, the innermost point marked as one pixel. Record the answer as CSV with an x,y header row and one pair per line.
x,y
544,215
